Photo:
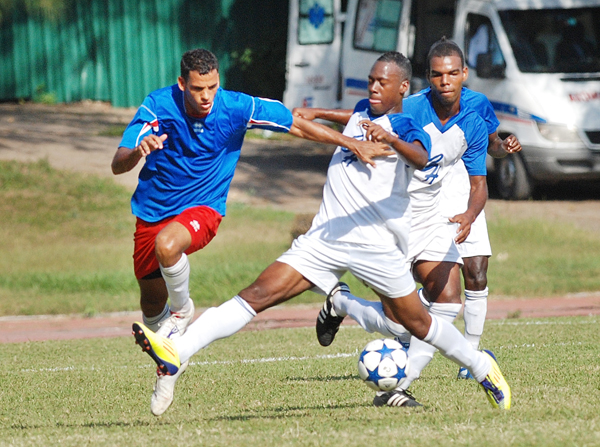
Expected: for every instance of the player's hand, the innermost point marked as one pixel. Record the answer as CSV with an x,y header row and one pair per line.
x,y
366,151
511,144
304,112
375,132
464,227
150,143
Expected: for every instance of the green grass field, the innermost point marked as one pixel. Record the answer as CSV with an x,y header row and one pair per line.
x,y
67,242
66,245
279,387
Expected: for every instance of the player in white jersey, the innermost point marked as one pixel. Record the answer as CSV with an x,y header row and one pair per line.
x,y
458,134
476,249
362,227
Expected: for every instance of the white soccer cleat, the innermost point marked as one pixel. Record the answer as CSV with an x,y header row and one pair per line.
x,y
176,324
164,387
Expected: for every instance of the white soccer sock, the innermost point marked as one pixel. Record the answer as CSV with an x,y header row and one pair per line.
x,y
368,314
215,323
421,353
474,315
152,322
451,344
177,279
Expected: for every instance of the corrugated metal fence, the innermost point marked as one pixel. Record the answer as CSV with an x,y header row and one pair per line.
x,y
120,50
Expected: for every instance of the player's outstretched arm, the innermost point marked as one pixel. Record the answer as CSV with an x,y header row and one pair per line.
x,y
339,116
366,151
126,159
477,199
499,148
414,153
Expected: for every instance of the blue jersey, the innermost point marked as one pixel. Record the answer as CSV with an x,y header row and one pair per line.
x,y
467,125
199,157
482,106
464,137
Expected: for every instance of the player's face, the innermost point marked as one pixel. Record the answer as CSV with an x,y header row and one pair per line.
x,y
446,76
199,92
387,86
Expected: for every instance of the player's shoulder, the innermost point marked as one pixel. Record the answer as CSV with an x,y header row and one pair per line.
x,y
418,105
163,102
476,100
362,106
472,124
417,98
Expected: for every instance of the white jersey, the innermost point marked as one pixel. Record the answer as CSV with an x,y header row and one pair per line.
x,y
457,187
462,139
366,205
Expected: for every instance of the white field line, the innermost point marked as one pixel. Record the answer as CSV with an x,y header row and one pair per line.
x,y
339,355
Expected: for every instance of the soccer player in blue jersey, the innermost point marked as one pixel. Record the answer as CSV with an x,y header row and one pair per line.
x,y
190,135
362,227
476,248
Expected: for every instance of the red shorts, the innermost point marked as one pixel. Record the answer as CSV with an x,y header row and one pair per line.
x,y
201,221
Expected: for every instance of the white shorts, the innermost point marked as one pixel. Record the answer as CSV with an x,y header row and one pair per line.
x,y
478,241
382,268
433,241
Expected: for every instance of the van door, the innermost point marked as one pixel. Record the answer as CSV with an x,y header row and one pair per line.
x,y
372,28
313,54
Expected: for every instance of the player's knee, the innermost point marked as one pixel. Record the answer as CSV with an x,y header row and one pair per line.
x,y
476,281
418,327
450,295
260,296
167,250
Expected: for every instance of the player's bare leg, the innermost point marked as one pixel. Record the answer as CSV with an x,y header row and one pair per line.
x,y
278,283
441,284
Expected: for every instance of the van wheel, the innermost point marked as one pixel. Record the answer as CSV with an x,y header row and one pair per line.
x,y
512,180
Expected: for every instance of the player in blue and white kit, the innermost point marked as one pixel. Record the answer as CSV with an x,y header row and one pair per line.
x,y
190,135
458,135
476,249
362,227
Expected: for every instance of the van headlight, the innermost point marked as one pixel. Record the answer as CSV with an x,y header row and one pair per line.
x,y
559,133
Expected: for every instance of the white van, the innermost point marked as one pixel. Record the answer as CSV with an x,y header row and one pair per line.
x,y
538,61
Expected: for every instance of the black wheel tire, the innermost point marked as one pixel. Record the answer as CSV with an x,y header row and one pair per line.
x,y
512,181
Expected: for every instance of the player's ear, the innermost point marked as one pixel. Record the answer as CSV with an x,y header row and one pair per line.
x,y
181,83
404,86
465,73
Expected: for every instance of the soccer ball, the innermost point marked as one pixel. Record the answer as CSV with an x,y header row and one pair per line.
x,y
383,364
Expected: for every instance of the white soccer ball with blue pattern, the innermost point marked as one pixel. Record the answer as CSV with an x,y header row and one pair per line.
x,y
383,364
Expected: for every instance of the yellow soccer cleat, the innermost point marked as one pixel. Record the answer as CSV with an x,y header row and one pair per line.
x,y
161,349
495,386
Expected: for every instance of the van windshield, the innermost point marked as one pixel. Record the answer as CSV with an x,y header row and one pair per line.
x,y
554,40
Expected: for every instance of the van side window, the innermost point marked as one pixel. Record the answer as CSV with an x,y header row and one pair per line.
x,y
316,22
481,40
377,23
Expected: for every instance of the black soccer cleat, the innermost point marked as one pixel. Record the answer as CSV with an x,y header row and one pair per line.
x,y
395,398
328,323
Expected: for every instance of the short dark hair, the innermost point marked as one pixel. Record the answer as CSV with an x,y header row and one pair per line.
x,y
445,47
400,60
200,60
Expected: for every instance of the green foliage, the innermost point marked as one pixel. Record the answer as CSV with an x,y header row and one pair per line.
x,y
279,387
49,9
